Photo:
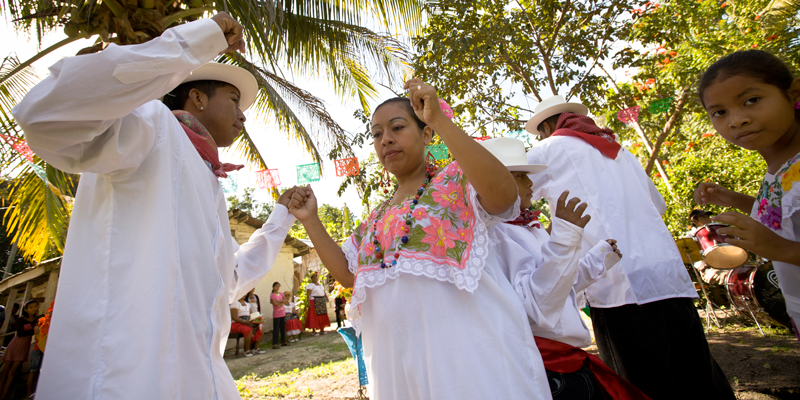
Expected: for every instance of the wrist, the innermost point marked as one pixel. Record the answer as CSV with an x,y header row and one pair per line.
x,y
312,219
439,122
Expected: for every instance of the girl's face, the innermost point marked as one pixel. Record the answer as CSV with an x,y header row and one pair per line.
x,y
276,288
750,113
525,187
398,141
32,309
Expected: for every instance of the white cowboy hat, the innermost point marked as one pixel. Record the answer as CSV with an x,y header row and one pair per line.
x,y
511,152
552,106
237,77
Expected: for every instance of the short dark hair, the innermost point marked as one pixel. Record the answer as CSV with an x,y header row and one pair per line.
x,y
757,64
25,308
407,105
697,213
177,98
552,119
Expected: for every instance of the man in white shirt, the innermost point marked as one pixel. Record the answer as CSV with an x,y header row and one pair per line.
x,y
645,323
149,267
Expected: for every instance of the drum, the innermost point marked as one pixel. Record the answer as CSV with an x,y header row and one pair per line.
x,y
716,252
754,288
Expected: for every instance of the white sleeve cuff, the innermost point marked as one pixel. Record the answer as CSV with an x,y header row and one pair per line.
x,y
280,216
204,37
604,253
565,233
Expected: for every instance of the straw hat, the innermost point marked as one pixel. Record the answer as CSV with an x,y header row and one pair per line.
x,y
237,77
511,152
552,106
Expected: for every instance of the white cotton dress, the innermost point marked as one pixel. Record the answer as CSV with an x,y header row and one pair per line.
x,y
444,323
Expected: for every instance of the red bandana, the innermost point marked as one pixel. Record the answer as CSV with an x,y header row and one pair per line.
x,y
583,127
204,143
527,218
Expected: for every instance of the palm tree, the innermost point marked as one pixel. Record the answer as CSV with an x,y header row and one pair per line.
x,y
306,37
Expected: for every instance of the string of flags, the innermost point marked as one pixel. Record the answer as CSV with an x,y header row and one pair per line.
x,y
20,146
631,114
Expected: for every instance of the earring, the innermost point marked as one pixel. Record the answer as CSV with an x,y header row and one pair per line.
x,y
201,108
429,158
797,105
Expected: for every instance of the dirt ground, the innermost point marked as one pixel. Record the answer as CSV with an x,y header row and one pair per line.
x,y
759,368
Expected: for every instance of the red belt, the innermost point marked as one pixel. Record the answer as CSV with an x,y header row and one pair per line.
x,y
563,358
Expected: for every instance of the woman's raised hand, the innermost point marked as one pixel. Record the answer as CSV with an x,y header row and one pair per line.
x,y
424,101
568,211
303,204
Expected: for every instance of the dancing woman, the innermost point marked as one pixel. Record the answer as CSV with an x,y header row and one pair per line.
x,y
437,317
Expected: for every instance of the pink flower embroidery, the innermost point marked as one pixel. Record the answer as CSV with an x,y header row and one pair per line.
x,y
466,214
420,213
440,236
369,249
465,234
449,196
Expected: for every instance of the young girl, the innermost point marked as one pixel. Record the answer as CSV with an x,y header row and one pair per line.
x,y
437,317
278,316
753,102
18,350
293,325
240,315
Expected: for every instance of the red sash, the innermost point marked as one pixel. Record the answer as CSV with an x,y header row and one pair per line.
x,y
563,358
583,127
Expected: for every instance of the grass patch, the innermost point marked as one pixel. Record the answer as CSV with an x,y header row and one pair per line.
x,y
294,384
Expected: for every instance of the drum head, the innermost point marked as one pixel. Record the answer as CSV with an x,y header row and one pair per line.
x,y
725,256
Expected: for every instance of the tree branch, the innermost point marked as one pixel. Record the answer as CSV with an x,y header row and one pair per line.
x,y
667,128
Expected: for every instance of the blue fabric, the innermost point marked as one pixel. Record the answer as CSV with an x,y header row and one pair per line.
x,y
354,344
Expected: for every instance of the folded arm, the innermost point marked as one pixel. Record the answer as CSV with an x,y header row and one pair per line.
x,y
594,265
545,285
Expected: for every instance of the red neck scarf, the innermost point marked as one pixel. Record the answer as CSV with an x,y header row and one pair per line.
x,y
204,143
527,218
563,358
583,127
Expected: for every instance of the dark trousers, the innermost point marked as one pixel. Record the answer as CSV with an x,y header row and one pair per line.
x,y
578,385
278,327
339,308
660,348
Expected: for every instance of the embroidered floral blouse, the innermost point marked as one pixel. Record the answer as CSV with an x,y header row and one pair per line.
x,y
447,239
779,198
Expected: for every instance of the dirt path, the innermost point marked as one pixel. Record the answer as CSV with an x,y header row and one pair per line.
x,y
759,368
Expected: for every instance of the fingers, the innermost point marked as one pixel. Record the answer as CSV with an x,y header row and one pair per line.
x,y
583,221
732,218
701,196
561,200
572,203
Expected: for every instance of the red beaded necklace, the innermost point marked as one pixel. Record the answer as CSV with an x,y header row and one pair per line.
x,y
429,172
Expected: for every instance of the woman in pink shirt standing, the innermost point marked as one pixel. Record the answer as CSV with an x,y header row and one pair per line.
x,y
278,315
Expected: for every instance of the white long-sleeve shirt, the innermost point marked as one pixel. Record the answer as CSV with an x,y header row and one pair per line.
x,y
542,270
624,205
149,267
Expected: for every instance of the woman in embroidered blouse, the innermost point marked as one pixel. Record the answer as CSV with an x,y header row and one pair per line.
x,y
438,319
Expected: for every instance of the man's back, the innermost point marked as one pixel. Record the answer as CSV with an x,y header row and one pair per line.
x,y
625,206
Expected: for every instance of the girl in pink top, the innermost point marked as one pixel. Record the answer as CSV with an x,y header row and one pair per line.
x,y
278,315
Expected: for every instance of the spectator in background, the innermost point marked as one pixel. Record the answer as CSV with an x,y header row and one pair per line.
x,y
18,350
293,325
253,298
317,312
40,339
240,314
278,315
340,301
